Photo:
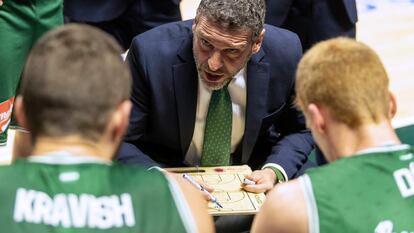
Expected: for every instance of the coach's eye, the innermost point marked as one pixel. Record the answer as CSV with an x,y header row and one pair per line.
x,y
233,51
205,43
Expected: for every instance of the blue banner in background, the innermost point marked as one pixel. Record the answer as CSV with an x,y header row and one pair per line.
x,y
366,6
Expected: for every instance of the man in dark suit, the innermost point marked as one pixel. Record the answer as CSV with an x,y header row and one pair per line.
x,y
314,20
123,19
178,67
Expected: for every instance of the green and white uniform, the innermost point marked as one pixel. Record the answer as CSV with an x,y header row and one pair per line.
x,y
64,193
22,23
369,192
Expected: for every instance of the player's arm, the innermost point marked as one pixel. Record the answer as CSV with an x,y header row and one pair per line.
x,y
283,211
197,204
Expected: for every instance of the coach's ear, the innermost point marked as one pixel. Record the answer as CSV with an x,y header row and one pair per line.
x,y
258,42
19,112
393,105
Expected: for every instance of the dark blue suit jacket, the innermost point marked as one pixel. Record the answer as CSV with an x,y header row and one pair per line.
x,y
164,97
123,19
96,11
313,20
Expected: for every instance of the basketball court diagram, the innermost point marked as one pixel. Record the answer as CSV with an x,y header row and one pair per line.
x,y
228,191
226,182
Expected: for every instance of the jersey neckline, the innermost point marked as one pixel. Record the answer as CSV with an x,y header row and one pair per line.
x,y
65,157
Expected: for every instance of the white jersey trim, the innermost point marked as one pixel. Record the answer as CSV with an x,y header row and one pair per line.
x,y
311,207
65,158
182,206
383,149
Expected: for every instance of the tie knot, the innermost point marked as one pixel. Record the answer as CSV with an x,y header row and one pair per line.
x,y
224,89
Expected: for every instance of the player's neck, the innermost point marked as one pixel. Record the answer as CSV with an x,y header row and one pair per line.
x,y
351,141
74,145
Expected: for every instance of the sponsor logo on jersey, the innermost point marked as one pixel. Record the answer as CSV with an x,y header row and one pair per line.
x,y
6,108
74,210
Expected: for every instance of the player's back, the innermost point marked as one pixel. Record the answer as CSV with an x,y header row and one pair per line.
x,y
61,193
371,192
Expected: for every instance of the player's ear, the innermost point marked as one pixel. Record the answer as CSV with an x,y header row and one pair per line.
x,y
19,112
120,119
393,105
316,119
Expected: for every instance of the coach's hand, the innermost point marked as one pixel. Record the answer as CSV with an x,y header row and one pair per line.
x,y
1,2
264,179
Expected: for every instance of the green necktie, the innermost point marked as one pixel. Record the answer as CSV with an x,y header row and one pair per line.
x,y
217,132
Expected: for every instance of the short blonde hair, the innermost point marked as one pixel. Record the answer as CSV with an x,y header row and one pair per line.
x,y
348,78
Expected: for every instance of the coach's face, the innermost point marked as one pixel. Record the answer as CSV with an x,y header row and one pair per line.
x,y
220,53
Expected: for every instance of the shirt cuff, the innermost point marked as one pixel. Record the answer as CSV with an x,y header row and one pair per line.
x,y
157,168
279,171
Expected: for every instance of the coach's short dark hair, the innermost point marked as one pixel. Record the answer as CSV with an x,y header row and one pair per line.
x,y
235,14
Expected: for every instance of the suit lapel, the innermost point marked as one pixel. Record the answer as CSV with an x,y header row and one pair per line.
x,y
185,86
257,87
351,10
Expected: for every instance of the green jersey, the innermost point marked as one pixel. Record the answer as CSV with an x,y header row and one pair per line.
x,y
369,192
64,193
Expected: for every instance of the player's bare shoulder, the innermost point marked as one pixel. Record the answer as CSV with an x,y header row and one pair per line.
x,y
283,211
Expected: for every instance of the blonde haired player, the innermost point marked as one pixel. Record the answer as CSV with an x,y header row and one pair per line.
x,y
342,88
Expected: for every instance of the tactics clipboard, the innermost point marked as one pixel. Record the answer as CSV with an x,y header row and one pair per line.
x,y
226,182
